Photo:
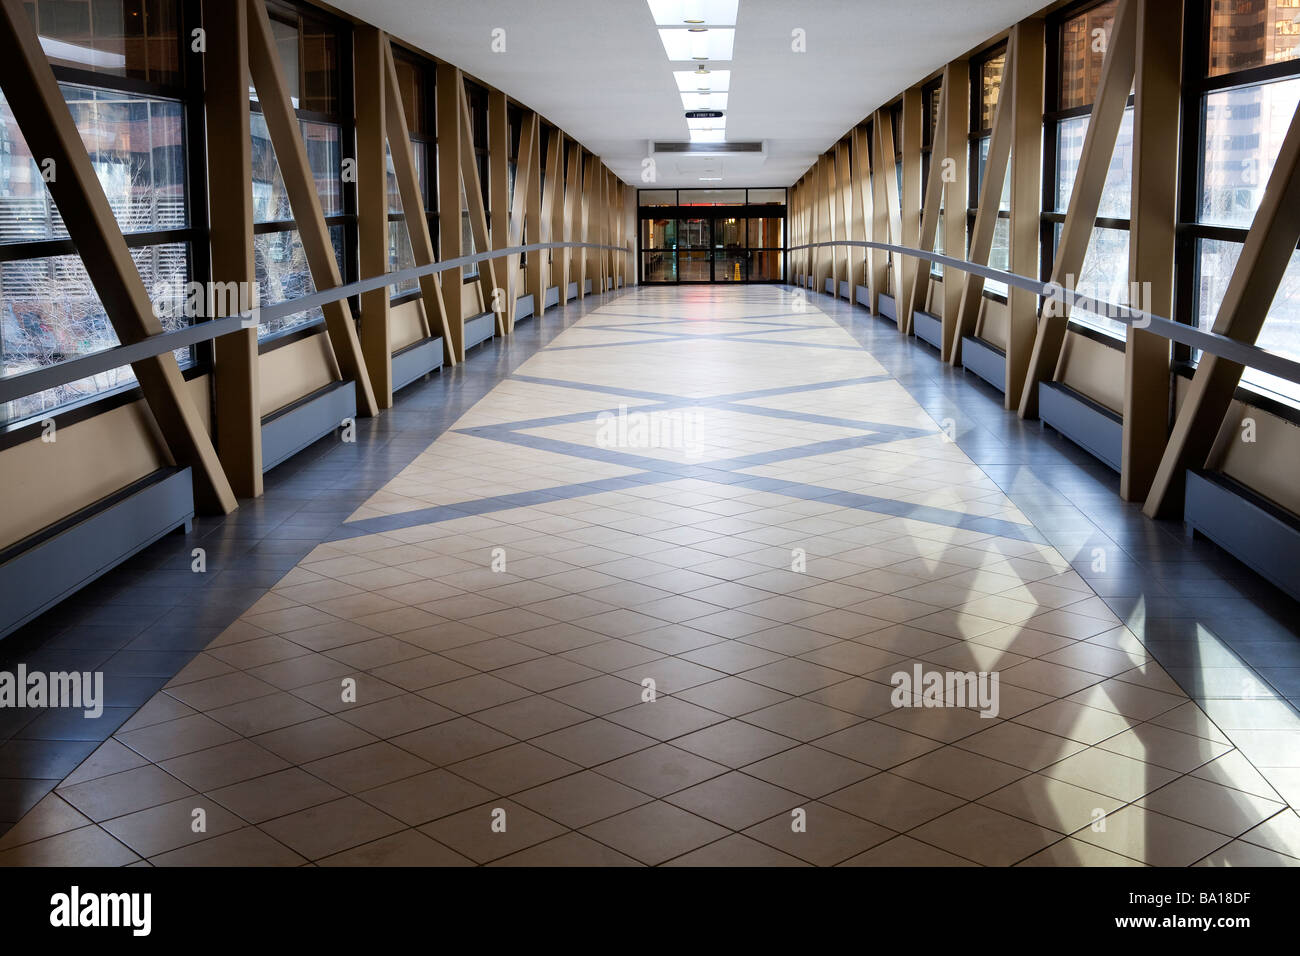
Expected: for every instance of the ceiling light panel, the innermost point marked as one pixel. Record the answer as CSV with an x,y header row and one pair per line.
x,y
672,13
688,81
704,101
717,123
689,45
708,136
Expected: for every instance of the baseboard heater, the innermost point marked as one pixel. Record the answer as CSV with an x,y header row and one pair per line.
x,y
986,360
571,292
524,307
928,328
289,430
887,308
1255,531
416,361
864,297
830,286
586,287
1093,427
844,290
44,568
480,329
552,296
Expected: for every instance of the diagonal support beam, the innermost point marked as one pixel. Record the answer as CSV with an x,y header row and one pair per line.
x,y
1267,252
417,224
300,186
930,212
986,215
33,94
1085,198
478,222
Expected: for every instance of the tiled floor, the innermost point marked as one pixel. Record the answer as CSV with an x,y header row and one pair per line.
x,y
642,604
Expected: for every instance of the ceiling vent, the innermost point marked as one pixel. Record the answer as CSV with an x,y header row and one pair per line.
x,y
708,148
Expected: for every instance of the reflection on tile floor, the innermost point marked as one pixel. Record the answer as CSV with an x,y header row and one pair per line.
x,y
642,605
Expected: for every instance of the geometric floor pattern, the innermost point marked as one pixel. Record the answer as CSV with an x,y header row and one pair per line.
x,y
644,605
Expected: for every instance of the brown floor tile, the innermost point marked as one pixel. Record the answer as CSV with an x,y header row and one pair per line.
x,y
238,848
425,797
655,832
366,767
985,836
472,834
735,800
275,795
330,828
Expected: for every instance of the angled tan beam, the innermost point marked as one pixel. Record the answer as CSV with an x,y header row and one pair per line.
x,y
880,213
930,213
515,227
586,200
839,254
956,84
478,222
862,208
1094,161
1025,82
986,214
499,215
827,210
450,242
910,211
417,226
1153,224
535,223
572,209
1269,245
852,221
371,72
46,123
300,186
887,172
237,422
553,213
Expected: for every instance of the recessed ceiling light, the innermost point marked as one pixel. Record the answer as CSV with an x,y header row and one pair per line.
x,y
710,179
698,30
684,43
702,70
718,81
718,13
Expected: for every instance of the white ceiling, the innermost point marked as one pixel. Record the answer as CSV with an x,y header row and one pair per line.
x,y
598,70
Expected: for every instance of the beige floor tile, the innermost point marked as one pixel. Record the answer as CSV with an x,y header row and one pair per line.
x,y
1153,838
985,836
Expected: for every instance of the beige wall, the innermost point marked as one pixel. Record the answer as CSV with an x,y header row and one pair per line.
x,y
87,461
288,373
1093,369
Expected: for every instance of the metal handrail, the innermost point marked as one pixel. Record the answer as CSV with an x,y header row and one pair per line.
x,y
1250,356
13,387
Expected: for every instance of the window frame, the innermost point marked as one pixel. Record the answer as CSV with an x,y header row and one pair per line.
x,y
188,92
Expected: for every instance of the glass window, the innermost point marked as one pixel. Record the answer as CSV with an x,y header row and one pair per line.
x,y
282,274
1104,277
1245,34
766,233
1281,330
658,233
1083,49
694,233
990,87
1117,192
766,197
50,313
657,197
729,233
270,201
1244,129
136,39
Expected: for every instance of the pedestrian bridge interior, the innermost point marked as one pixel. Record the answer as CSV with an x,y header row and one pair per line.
x,y
420,454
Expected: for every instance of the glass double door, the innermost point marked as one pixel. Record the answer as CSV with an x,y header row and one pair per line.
x,y
709,249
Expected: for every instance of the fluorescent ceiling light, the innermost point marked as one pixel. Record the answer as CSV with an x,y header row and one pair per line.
x,y
673,13
718,123
708,136
688,45
704,101
719,81
710,179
